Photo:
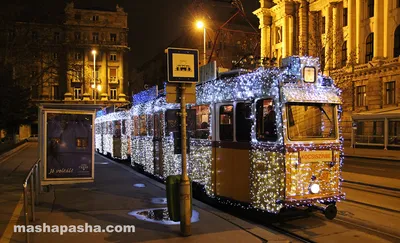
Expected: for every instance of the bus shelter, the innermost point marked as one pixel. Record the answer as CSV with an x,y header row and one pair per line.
x,y
379,128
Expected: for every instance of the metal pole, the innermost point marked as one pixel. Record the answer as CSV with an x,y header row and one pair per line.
x,y
32,199
37,184
26,213
94,78
185,184
204,39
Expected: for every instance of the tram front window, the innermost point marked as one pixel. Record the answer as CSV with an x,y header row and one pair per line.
x,y
311,121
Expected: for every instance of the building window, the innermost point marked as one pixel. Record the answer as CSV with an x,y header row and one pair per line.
x,y
396,51
278,34
95,18
77,93
344,54
95,37
323,25
113,37
55,92
77,35
369,52
370,8
113,75
322,59
78,56
81,142
390,92
56,37
113,94
77,76
361,95
345,17
113,57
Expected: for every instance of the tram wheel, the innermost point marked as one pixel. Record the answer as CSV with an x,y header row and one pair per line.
x,y
330,211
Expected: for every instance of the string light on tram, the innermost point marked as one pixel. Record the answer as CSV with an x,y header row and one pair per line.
x,y
268,185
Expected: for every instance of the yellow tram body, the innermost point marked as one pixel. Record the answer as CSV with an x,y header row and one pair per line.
x,y
269,139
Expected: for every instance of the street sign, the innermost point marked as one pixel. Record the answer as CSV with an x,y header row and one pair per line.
x,y
173,93
182,65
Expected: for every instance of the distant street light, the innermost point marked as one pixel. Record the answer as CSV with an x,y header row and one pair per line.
x,y
200,25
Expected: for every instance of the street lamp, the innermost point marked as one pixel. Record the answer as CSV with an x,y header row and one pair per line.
x,y
94,75
200,25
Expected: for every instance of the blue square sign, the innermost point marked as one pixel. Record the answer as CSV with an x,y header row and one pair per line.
x,y
182,65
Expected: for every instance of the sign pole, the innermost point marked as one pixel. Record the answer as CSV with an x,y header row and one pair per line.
x,y
185,184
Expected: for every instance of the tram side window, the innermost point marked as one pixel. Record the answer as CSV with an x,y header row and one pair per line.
x,y
136,126
123,127
202,122
266,120
142,125
150,129
226,122
157,124
117,129
243,122
109,127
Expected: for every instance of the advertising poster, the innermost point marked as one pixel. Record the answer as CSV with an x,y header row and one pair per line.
x,y
68,143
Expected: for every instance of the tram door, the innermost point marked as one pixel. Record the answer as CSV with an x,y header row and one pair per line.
x,y
117,139
233,126
157,143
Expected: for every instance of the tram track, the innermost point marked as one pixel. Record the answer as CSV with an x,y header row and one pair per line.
x,y
300,233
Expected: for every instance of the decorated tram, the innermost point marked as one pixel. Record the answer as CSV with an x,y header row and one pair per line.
x,y
269,139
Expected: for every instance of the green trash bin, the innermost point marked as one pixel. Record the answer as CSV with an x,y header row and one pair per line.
x,y
173,200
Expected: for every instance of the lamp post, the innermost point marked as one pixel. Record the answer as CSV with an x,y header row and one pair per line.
x,y
200,25
94,75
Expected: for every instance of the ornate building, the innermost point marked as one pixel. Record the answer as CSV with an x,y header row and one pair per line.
x,y
79,58
358,43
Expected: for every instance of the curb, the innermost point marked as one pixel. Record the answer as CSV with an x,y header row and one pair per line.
x,y
14,150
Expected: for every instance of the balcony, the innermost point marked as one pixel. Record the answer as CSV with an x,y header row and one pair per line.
x,y
113,80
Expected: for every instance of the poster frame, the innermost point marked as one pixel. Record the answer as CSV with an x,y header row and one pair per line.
x,y
43,146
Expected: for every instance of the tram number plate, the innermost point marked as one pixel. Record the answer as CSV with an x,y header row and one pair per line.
x,y
315,156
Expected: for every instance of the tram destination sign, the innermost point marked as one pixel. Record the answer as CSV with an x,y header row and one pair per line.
x,y
182,65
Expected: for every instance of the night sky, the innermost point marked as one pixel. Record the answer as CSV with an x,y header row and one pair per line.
x,y
153,24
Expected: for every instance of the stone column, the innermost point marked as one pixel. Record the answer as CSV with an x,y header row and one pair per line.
x,y
378,30
265,18
360,38
303,27
336,35
329,35
352,23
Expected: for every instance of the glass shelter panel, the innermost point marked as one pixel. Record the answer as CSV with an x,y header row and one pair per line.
x,y
394,132
370,132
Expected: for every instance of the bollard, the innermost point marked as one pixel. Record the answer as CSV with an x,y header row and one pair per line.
x,y
26,213
32,199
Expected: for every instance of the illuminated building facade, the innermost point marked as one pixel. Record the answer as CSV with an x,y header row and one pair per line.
x,y
358,43
55,58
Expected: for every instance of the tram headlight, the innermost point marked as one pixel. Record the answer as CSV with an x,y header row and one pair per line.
x,y
314,188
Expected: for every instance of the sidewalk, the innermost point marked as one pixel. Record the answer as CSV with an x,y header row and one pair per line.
x,y
110,199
